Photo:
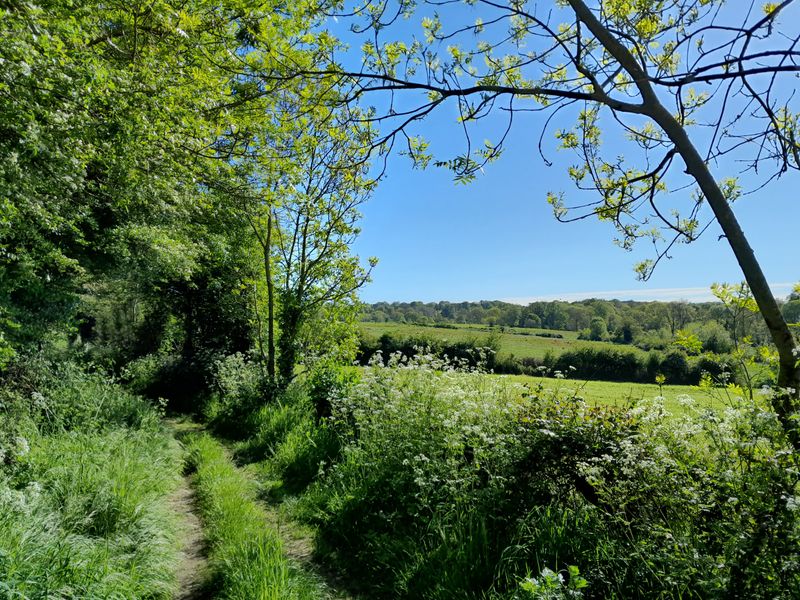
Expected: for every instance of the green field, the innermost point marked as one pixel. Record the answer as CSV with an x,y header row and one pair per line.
x,y
623,394
522,343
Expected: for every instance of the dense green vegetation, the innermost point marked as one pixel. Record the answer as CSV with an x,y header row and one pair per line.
x,y
557,353
179,193
85,476
719,326
426,482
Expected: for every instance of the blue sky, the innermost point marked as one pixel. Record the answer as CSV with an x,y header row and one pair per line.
x,y
496,238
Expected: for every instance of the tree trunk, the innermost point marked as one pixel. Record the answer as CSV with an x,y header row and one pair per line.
x,y
785,400
270,302
290,331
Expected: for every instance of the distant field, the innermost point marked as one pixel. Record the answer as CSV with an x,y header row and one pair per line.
x,y
520,342
621,394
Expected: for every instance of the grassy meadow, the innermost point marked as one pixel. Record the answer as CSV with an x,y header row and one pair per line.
x,y
517,341
624,394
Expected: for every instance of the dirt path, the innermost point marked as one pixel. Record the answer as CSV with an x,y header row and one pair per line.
x,y
193,566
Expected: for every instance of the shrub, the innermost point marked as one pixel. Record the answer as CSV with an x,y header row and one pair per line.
x,y
454,485
675,367
62,396
600,363
421,446
238,389
326,383
470,354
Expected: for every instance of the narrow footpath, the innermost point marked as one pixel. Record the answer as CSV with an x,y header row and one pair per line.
x,y
194,572
298,546
193,568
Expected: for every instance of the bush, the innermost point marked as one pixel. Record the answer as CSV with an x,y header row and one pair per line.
x,y
238,389
417,442
600,363
470,354
454,485
62,396
675,367
326,383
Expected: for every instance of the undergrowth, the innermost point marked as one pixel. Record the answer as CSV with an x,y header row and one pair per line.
x,y
85,472
425,482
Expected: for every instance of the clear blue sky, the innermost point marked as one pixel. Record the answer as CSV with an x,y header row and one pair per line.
x,y
497,239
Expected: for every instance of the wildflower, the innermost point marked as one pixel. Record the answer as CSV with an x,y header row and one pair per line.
x,y
23,447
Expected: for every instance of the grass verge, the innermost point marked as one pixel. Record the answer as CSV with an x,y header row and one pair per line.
x,y
85,515
247,558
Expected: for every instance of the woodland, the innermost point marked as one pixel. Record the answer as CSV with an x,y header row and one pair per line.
x,y
191,402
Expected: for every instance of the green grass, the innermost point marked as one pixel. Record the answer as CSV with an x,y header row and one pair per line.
x,y
85,515
247,556
522,343
86,475
622,394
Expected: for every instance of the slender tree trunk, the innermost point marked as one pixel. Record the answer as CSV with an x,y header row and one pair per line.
x,y
270,301
785,400
259,329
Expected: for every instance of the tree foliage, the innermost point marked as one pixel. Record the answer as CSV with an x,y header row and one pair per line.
x,y
687,87
129,135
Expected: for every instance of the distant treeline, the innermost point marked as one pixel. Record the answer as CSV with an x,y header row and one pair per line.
x,y
648,325
602,364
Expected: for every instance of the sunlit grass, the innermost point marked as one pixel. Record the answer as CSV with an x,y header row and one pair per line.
x,y
522,343
622,394
84,515
247,556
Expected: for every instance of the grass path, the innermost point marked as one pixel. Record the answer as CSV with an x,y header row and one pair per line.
x,y
298,546
193,568
236,545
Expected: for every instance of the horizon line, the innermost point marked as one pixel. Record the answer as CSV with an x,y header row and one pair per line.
x,y
686,294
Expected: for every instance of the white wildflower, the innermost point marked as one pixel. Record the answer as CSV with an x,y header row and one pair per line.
x,y
23,447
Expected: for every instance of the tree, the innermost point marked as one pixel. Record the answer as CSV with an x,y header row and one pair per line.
x,y
299,190
597,329
316,223
658,70
791,311
109,114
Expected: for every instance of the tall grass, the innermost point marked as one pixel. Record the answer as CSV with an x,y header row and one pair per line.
x,y
84,486
247,557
